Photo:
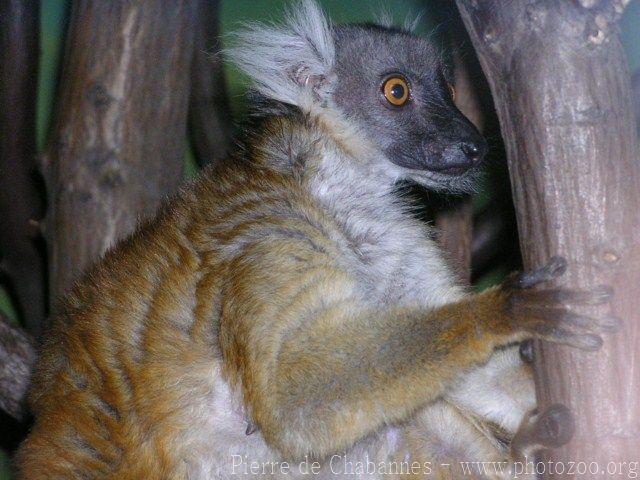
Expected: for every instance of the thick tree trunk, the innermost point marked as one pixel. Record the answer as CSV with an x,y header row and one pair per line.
x,y
635,85
16,357
209,114
120,130
20,204
561,87
117,147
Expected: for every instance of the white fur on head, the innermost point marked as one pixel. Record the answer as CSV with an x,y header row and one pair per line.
x,y
292,62
384,18
412,22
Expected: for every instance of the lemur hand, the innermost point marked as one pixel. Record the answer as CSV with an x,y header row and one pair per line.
x,y
543,313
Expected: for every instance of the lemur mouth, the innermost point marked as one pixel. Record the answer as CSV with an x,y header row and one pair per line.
x,y
454,161
453,171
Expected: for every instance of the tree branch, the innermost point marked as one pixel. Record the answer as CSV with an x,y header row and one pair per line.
x,y
20,202
455,224
120,128
209,114
635,87
17,355
563,103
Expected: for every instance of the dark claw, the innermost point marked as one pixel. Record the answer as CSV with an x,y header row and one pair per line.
x,y
598,296
553,269
610,324
583,341
551,429
601,294
526,351
554,427
251,428
589,341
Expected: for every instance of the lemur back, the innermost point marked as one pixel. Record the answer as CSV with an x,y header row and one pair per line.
x,y
286,307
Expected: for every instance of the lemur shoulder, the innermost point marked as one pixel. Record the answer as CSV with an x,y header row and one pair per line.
x,y
287,305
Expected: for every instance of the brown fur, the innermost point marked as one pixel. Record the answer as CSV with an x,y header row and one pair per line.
x,y
238,276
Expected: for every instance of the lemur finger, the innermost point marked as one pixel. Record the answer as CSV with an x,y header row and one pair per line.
x,y
551,429
597,296
526,351
584,341
555,426
552,270
606,324
562,316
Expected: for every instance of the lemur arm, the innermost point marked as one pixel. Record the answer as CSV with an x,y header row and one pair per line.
x,y
297,336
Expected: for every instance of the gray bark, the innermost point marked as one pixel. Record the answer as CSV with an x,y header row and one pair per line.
x,y
635,85
120,128
16,357
561,87
21,205
209,114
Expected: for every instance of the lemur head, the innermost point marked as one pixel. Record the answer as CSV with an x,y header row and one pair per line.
x,y
384,84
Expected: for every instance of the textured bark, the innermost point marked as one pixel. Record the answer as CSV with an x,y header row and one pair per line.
x,y
561,87
635,85
120,129
20,203
455,227
16,357
209,114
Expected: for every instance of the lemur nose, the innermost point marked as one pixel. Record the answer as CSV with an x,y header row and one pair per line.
x,y
472,150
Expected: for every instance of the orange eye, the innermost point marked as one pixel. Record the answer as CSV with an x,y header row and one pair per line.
x,y
396,91
452,92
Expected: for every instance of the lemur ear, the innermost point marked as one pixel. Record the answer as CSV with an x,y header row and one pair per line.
x,y
292,62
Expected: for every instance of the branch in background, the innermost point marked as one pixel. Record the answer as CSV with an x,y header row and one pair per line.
x,y
17,354
456,224
209,114
119,136
560,83
455,231
20,203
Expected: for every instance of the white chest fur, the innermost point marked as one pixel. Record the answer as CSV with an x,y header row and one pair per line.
x,y
395,260
216,446
395,263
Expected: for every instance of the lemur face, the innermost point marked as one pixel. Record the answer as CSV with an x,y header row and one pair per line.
x,y
399,88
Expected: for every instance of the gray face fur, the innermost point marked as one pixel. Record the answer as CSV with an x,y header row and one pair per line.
x,y
340,71
427,135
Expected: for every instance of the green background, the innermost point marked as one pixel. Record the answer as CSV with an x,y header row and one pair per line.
x,y
233,12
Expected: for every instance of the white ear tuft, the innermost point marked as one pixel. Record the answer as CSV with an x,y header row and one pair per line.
x,y
383,17
292,62
412,22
